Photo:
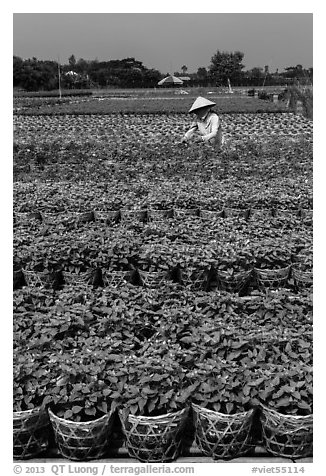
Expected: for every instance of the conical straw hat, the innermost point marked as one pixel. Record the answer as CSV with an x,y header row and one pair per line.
x,y
201,102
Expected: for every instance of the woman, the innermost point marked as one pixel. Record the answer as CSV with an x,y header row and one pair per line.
x,y
207,123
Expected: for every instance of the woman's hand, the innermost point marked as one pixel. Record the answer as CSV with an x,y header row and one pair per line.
x,y
205,139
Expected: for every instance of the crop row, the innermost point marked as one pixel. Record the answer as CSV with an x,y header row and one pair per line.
x,y
233,243
137,105
160,128
254,174
285,195
113,217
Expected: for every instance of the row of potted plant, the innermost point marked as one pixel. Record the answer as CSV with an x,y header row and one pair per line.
x,y
156,349
196,278
147,215
158,249
162,437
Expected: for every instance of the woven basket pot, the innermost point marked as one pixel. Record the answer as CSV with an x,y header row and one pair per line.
x,y
288,436
108,216
186,212
159,215
81,441
35,279
115,278
234,282
285,213
271,278
211,215
153,279
26,217
260,213
133,216
31,430
302,279
53,218
234,212
75,279
223,436
154,439
194,280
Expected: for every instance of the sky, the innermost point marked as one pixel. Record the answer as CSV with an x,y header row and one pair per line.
x,y
167,41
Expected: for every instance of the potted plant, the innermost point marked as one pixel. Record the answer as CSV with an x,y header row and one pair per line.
x,y
222,414
232,268
31,425
85,439
81,416
153,415
284,394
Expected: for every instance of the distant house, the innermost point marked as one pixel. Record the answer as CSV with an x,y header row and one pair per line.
x,y
184,78
71,74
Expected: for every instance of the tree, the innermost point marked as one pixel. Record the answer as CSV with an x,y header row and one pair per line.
x,y
184,69
18,66
82,66
255,76
36,75
72,62
294,71
226,65
202,76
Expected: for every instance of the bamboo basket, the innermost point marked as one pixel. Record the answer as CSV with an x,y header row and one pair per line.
x,y
107,216
234,212
54,218
153,279
302,279
81,441
211,215
35,279
20,217
75,279
115,278
223,436
260,213
159,215
234,282
194,280
287,436
269,278
134,216
31,430
154,439
285,213
25,217
186,212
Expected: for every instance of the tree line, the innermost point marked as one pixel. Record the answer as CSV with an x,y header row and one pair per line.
x,y
226,67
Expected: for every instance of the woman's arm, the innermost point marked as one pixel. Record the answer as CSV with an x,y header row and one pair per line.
x,y
191,131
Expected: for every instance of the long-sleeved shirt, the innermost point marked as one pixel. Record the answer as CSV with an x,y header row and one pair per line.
x,y
209,128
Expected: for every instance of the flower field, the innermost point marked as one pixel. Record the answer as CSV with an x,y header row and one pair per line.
x,y
151,276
